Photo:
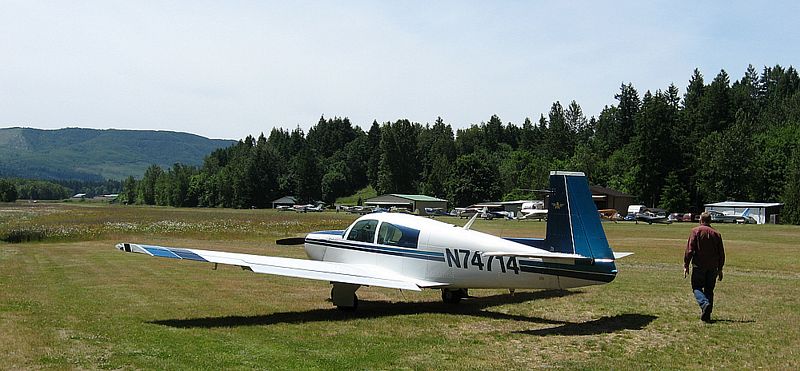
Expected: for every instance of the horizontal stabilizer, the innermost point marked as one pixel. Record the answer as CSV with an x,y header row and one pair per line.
x,y
620,255
291,241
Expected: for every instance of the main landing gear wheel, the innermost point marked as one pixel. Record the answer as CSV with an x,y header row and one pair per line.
x,y
349,308
344,296
453,296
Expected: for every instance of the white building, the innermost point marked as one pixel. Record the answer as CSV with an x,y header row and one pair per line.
x,y
762,212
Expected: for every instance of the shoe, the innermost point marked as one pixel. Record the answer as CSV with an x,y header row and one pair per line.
x,y
705,313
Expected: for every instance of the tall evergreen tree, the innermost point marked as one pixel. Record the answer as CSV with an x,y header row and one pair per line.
x,y
474,180
147,190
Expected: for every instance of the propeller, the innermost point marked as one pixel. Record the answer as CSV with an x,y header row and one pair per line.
x,y
291,241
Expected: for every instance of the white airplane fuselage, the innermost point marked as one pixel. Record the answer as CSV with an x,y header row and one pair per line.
x,y
450,254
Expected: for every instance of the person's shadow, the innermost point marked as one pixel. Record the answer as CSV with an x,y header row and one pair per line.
x,y
732,321
473,306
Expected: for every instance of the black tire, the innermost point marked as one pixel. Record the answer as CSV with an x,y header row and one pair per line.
x,y
451,296
349,309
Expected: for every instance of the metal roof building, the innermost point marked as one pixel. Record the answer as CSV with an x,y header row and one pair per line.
x,y
284,201
414,203
762,212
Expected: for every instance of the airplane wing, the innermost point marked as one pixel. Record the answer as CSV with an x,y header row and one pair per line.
x,y
318,270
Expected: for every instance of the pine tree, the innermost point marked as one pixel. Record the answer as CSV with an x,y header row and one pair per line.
x,y
791,193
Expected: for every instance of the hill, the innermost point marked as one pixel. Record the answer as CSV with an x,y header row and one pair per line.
x,y
91,154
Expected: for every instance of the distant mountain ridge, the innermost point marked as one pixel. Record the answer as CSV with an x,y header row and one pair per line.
x,y
93,154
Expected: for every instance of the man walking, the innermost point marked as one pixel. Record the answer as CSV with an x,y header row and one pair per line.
x,y
707,256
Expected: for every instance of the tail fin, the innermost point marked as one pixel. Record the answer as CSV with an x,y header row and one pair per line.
x,y
573,223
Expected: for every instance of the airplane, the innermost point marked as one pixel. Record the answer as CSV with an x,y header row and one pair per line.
x,y
743,218
409,252
437,211
609,214
361,210
530,211
307,208
651,216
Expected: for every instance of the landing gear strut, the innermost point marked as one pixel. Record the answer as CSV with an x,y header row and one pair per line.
x,y
453,296
344,296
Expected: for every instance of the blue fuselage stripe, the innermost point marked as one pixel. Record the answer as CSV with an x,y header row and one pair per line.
x,y
592,273
408,253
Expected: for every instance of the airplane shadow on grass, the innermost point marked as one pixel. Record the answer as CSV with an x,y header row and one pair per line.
x,y
604,325
474,306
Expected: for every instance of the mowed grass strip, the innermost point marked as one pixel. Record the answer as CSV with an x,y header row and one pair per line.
x,y
82,304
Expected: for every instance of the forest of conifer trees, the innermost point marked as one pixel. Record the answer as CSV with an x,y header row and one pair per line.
x,y
719,140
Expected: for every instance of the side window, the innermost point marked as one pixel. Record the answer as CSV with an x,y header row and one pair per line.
x,y
363,231
397,235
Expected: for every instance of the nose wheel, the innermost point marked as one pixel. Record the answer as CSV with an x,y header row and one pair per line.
x,y
453,296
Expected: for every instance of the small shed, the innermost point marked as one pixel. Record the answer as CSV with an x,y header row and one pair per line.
x,y
284,201
762,212
607,198
414,203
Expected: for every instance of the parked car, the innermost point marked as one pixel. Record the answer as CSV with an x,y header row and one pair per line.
x,y
676,217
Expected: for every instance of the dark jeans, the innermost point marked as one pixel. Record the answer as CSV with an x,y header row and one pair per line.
x,y
703,282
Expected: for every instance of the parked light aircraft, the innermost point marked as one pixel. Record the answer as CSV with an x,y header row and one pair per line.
x,y
414,253
609,214
652,215
531,211
743,218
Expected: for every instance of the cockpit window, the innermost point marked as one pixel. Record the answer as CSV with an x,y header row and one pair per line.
x,y
363,231
398,235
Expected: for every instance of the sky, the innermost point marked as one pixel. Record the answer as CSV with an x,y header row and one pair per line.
x,y
228,69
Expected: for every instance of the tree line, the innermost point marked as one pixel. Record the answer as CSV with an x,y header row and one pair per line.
x,y
719,140
33,189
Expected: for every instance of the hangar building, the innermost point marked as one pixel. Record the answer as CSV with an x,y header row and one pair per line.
x,y
414,203
284,201
607,198
762,212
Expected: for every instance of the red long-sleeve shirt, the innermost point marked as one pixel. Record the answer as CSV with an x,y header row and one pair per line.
x,y
704,248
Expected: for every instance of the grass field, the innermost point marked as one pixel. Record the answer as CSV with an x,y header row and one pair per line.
x,y
70,300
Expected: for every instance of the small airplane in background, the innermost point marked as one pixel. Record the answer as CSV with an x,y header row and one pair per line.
x,y
533,211
409,252
743,218
653,215
361,210
307,208
437,211
609,214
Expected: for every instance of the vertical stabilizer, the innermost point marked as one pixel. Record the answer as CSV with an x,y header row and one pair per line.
x,y
573,223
